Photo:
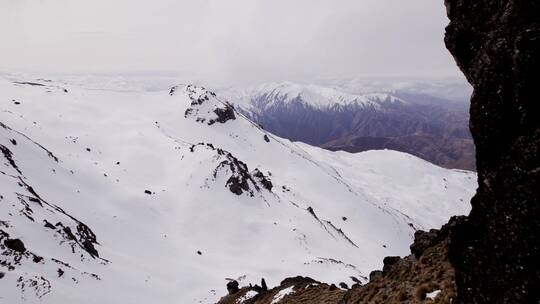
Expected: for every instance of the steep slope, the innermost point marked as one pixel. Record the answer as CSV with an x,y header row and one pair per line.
x,y
432,128
159,196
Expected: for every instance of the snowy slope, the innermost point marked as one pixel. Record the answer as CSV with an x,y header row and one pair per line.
x,y
133,196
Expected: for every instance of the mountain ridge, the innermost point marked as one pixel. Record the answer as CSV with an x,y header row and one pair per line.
x,y
429,127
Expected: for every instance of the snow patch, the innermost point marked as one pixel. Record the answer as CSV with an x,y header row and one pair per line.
x,y
432,295
250,294
281,294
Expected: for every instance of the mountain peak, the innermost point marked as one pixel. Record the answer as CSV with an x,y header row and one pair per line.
x,y
205,106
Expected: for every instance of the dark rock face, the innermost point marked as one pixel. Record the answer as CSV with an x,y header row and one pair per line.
x,y
423,240
232,287
375,274
225,114
264,180
15,244
240,179
388,262
495,252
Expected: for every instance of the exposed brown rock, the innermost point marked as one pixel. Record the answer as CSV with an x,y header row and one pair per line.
x,y
305,291
403,280
389,262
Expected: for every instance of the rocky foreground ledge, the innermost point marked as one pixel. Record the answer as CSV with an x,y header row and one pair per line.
x,y
425,276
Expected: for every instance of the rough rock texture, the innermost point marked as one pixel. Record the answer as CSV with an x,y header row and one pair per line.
x,y
412,278
496,44
298,290
239,179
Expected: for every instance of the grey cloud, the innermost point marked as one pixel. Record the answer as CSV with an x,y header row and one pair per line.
x,y
234,41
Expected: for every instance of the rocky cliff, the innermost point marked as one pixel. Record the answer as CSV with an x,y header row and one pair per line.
x,y
495,253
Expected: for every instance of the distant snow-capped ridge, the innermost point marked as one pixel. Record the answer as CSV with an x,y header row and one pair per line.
x,y
122,196
427,126
269,94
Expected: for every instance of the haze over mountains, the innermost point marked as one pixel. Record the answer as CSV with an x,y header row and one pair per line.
x,y
426,119
158,196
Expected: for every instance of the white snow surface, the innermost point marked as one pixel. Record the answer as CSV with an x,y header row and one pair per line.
x,y
281,294
88,155
250,294
432,295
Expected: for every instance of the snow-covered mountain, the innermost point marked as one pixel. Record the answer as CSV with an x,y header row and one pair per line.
x,y
286,93
332,117
133,196
445,89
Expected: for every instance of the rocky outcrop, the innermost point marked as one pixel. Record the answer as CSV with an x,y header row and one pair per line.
x,y
495,252
232,287
239,179
427,277
15,244
205,107
424,277
298,290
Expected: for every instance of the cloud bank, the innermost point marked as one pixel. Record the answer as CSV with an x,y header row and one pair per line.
x,y
236,41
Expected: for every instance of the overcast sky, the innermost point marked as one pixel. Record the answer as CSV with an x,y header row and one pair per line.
x,y
227,40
